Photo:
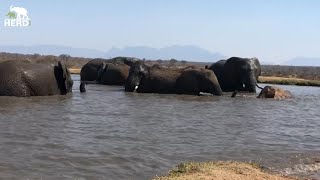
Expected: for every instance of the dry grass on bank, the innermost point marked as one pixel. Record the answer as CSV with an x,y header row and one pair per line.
x,y
74,70
288,81
219,171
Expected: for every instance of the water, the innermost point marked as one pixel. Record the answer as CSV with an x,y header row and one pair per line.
x,y
109,134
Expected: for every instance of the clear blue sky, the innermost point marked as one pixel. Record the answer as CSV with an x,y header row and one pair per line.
x,y
272,30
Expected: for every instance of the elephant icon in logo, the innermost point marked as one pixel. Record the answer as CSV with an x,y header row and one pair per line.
x,y
21,13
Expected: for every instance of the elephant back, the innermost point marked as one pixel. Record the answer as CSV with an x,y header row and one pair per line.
x,y
89,72
161,80
218,69
114,74
21,78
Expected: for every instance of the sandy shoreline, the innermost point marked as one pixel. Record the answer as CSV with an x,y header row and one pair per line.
x,y
220,171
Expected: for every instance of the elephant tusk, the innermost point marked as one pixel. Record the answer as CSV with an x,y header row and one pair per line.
x,y
135,88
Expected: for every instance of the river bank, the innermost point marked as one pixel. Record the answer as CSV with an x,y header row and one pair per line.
x,y
262,79
220,171
74,70
288,81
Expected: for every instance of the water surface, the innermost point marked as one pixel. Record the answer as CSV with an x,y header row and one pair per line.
x,y
109,134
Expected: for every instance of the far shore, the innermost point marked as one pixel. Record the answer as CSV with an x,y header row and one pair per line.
x,y
288,81
74,70
262,79
222,170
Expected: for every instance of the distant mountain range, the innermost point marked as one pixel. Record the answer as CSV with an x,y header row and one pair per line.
x,y
53,50
188,53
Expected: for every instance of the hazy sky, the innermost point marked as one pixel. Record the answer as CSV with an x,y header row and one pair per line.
x,y
273,30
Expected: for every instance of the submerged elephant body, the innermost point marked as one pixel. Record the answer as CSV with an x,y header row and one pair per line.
x,y
22,78
194,81
159,80
162,80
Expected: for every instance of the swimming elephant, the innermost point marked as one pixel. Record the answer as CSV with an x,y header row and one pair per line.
x,y
105,71
237,74
274,93
22,78
194,81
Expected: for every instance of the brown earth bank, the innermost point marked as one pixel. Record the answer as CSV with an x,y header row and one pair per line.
x,y
272,74
220,171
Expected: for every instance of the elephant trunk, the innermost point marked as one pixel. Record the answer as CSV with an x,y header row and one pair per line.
x,y
131,84
100,72
259,86
217,90
251,83
214,86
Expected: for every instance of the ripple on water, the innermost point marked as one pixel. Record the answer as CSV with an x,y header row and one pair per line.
x,y
109,134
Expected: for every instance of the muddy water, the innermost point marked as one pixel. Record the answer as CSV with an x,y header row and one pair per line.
x,y
109,134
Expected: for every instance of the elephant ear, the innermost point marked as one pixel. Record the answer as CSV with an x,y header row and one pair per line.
x,y
101,70
63,68
61,73
129,62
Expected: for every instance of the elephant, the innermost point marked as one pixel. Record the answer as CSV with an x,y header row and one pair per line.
x,y
157,79
237,74
113,74
274,93
89,72
217,68
194,81
105,71
23,78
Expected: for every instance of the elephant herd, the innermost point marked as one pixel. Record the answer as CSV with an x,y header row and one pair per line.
x,y
234,74
23,78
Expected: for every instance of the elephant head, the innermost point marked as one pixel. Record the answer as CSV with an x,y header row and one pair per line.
x,y
209,83
136,72
274,93
63,78
252,71
242,74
